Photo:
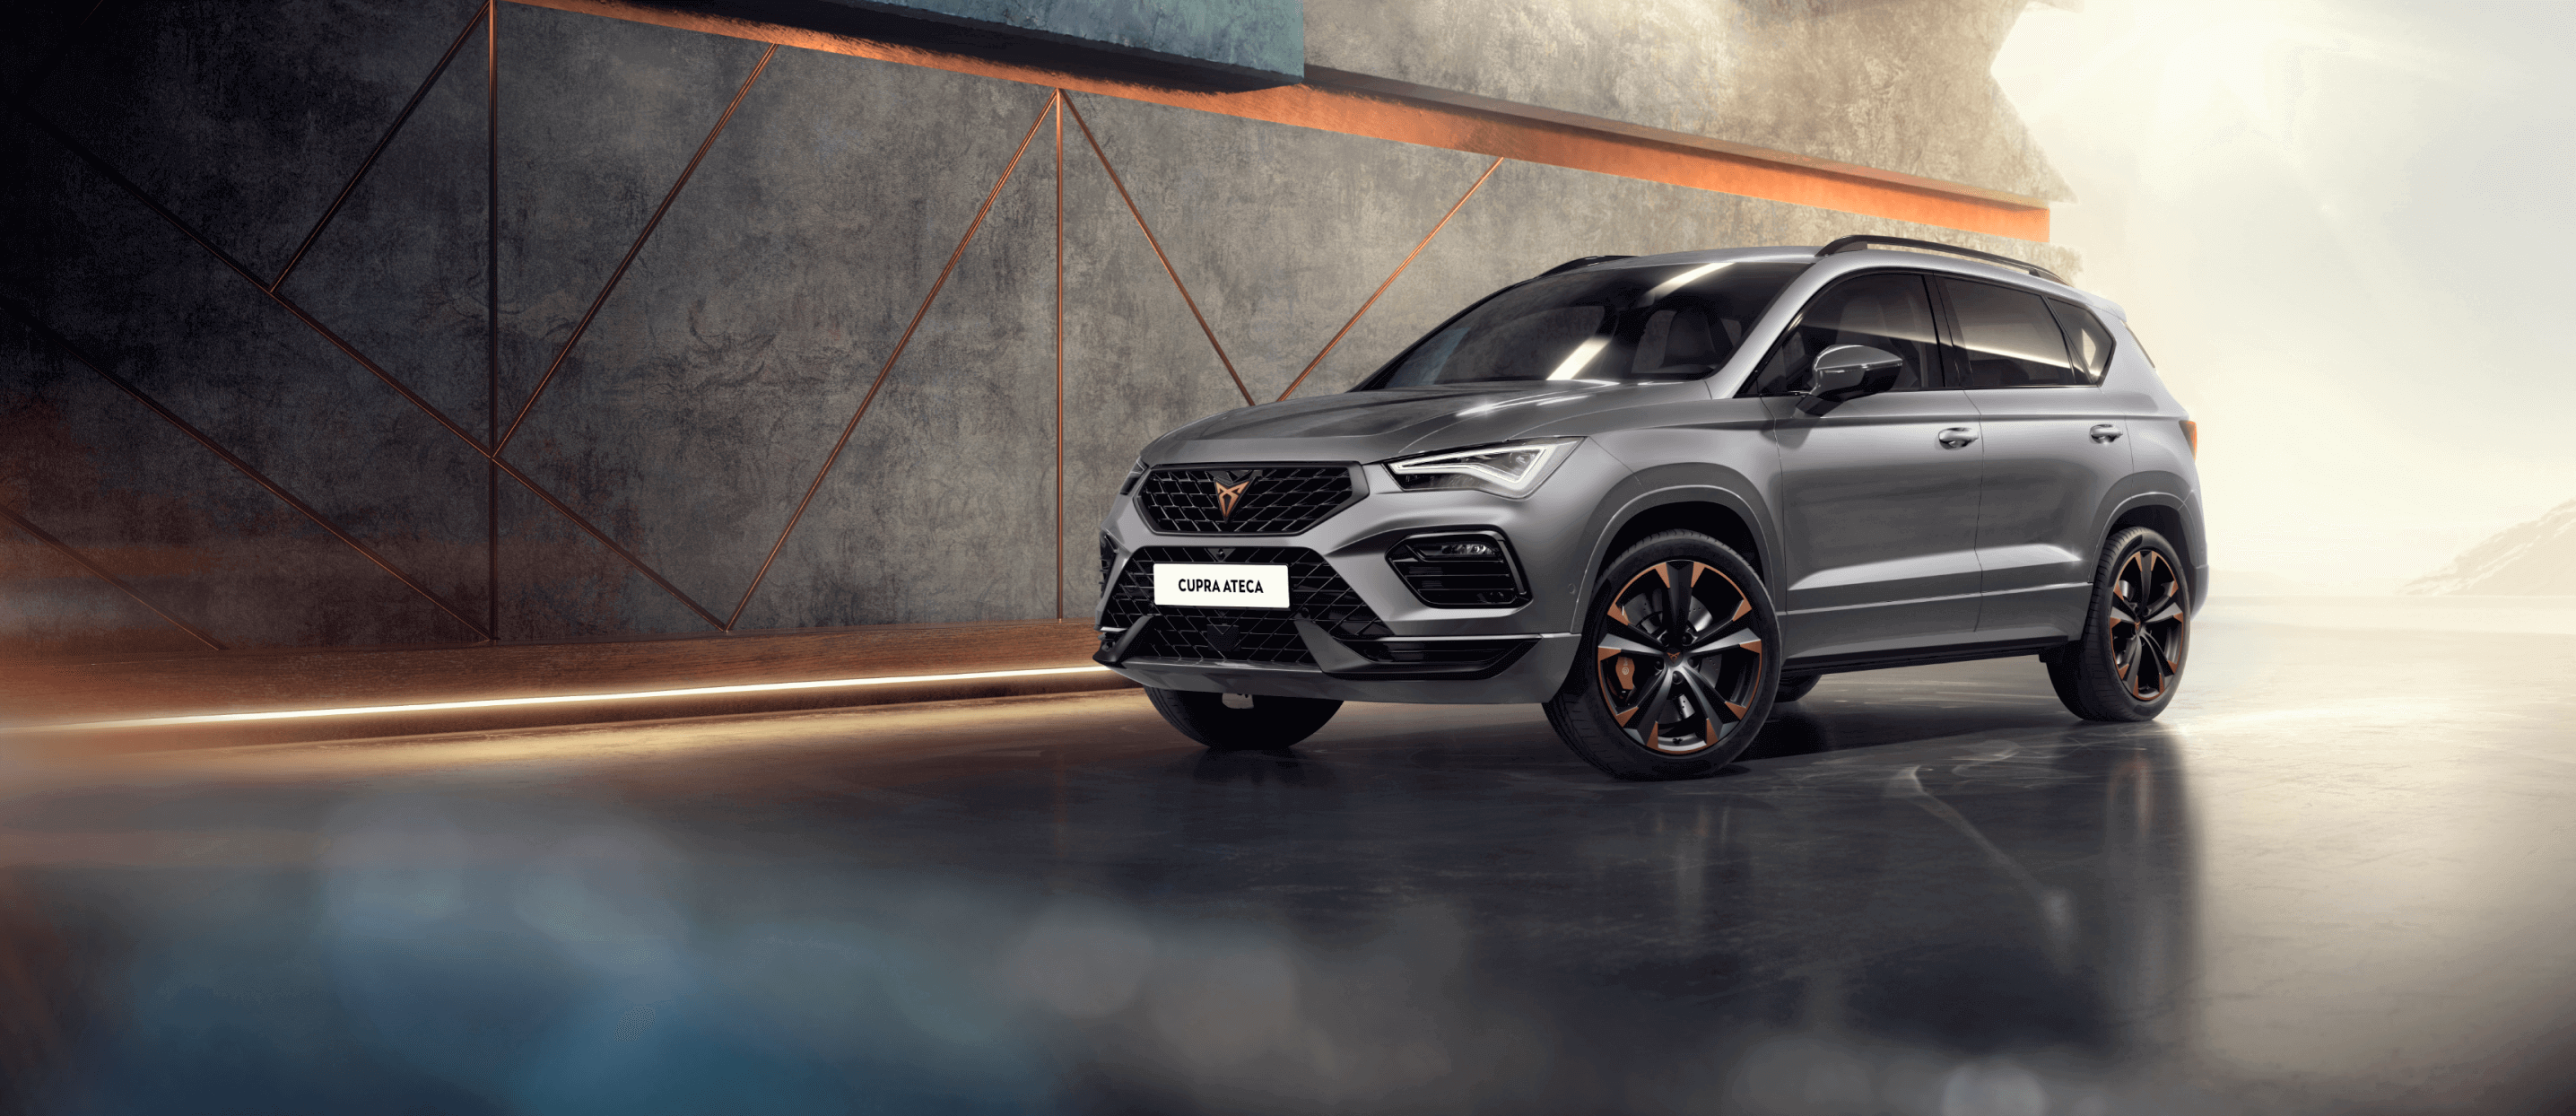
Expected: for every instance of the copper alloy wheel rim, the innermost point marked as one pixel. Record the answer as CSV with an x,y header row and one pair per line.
x,y
2148,627
1679,660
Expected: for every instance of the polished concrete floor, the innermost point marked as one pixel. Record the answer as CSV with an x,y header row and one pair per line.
x,y
2335,878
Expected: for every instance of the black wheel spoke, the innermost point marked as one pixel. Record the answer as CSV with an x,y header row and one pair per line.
x,y
1704,694
1677,604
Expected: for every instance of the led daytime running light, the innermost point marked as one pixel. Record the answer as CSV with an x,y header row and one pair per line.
x,y
1514,467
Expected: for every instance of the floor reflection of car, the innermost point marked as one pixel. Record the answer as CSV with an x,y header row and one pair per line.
x,y
1659,494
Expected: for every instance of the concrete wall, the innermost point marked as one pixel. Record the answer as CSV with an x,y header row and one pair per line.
x,y
1895,87
703,395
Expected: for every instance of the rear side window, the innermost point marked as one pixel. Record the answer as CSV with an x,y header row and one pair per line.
x,y
2086,339
2008,339
1890,311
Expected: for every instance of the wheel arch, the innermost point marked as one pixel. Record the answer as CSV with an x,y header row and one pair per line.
x,y
2167,515
1717,512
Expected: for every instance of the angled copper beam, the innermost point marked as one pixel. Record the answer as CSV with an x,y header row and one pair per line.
x,y
58,341
668,196
1157,245
888,367
368,163
184,229
107,577
351,351
1490,168
492,315
1059,354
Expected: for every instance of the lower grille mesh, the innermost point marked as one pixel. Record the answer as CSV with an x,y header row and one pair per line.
x,y
1256,635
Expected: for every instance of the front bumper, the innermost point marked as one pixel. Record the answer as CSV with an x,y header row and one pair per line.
x,y
1547,540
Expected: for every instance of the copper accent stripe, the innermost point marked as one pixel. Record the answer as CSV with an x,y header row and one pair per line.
x,y
1617,613
84,563
645,234
887,368
1059,356
1420,120
1391,277
1157,245
1731,707
1623,716
368,163
1600,653
64,344
492,315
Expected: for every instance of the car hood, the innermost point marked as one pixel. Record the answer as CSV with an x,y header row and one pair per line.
x,y
1376,425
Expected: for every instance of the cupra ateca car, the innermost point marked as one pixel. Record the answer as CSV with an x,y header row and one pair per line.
x,y
1658,494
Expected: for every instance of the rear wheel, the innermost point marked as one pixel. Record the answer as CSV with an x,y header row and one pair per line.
x,y
1255,722
2129,660
1678,664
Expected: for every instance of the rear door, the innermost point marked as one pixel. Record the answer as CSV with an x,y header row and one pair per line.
x,y
2031,365
1878,497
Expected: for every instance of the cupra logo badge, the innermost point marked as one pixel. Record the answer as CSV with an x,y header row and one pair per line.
x,y
1227,497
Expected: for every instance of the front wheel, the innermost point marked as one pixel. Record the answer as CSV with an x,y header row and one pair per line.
x,y
2128,662
1679,662
1248,722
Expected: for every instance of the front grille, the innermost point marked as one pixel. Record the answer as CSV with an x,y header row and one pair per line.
x,y
1469,569
1108,558
1268,499
1256,635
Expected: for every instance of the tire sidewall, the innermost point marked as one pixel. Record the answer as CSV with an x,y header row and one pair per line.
x,y
2096,676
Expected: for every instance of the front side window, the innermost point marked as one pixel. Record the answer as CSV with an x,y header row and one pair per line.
x,y
2008,339
1668,322
1889,311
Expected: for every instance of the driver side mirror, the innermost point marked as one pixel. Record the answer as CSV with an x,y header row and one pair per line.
x,y
1847,372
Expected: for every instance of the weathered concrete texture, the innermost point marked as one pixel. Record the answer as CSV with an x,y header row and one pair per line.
x,y
693,414
1899,87
1265,37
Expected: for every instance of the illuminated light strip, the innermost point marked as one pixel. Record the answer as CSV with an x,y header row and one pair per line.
x,y
506,703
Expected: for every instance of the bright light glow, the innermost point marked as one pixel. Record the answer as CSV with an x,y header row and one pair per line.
x,y
1582,355
1684,279
563,699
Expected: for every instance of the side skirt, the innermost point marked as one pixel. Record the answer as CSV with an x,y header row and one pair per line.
x,y
1919,656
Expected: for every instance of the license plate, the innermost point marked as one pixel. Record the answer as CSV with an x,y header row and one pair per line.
x,y
1220,585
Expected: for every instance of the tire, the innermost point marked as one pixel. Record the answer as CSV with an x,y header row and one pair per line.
x,y
1791,689
2137,633
1272,722
1617,709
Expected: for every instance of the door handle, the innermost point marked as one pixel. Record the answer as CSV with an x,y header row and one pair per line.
x,y
1956,437
2107,432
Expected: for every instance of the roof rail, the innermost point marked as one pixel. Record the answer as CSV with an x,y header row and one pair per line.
x,y
1854,243
1579,261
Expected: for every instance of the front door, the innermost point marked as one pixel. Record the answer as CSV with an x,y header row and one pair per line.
x,y
1878,500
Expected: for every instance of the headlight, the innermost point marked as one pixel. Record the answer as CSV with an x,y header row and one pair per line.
x,y
1133,472
1510,469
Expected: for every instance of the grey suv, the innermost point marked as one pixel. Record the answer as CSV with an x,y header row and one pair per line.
x,y
1658,494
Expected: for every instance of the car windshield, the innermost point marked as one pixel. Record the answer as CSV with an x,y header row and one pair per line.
x,y
1669,322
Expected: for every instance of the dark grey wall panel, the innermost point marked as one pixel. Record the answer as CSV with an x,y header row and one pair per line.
x,y
689,421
